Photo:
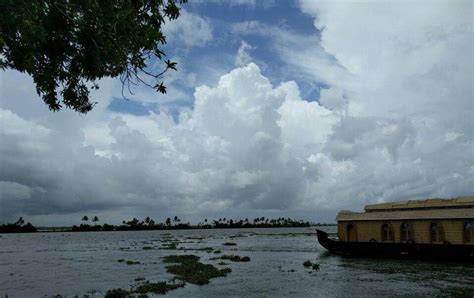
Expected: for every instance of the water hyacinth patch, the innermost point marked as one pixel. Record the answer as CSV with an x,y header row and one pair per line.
x,y
191,270
233,258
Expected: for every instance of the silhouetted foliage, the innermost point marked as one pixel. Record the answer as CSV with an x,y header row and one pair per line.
x,y
67,45
175,224
18,227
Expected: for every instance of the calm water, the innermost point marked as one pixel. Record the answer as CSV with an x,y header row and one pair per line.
x,y
34,265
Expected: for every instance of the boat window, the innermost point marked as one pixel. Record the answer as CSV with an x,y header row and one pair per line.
x,y
406,232
436,232
387,232
469,232
351,233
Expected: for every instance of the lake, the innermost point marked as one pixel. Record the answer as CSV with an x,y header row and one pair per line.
x,y
35,265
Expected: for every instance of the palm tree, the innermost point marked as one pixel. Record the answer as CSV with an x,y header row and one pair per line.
x,y
95,219
176,220
85,218
20,221
147,220
168,221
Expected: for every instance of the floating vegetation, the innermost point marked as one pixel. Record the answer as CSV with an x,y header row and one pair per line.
x,y
147,247
195,238
229,243
148,287
117,293
139,279
206,249
222,263
172,245
120,260
133,262
233,258
217,251
314,266
158,287
193,271
237,236
180,258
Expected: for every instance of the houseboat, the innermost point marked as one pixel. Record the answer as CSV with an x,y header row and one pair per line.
x,y
441,229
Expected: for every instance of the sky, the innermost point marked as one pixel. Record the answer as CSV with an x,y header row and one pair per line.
x,y
278,108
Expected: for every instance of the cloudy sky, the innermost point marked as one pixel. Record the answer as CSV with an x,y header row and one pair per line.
x,y
278,109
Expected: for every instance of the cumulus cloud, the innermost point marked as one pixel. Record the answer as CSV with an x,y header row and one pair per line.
x,y
240,148
404,73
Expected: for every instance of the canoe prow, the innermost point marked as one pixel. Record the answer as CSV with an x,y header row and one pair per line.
x,y
323,239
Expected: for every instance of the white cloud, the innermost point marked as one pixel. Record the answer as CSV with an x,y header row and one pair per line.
x,y
239,148
243,57
189,29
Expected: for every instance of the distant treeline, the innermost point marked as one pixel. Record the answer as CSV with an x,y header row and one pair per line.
x,y
176,224
18,227
169,224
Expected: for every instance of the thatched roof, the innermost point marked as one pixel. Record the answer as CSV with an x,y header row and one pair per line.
x,y
458,208
461,202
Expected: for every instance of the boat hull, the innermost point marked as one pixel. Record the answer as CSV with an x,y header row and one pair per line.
x,y
454,252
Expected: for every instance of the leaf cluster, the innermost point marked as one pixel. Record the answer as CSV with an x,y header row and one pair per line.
x,y
68,45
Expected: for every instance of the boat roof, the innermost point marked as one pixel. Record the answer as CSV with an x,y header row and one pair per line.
x,y
460,202
457,208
